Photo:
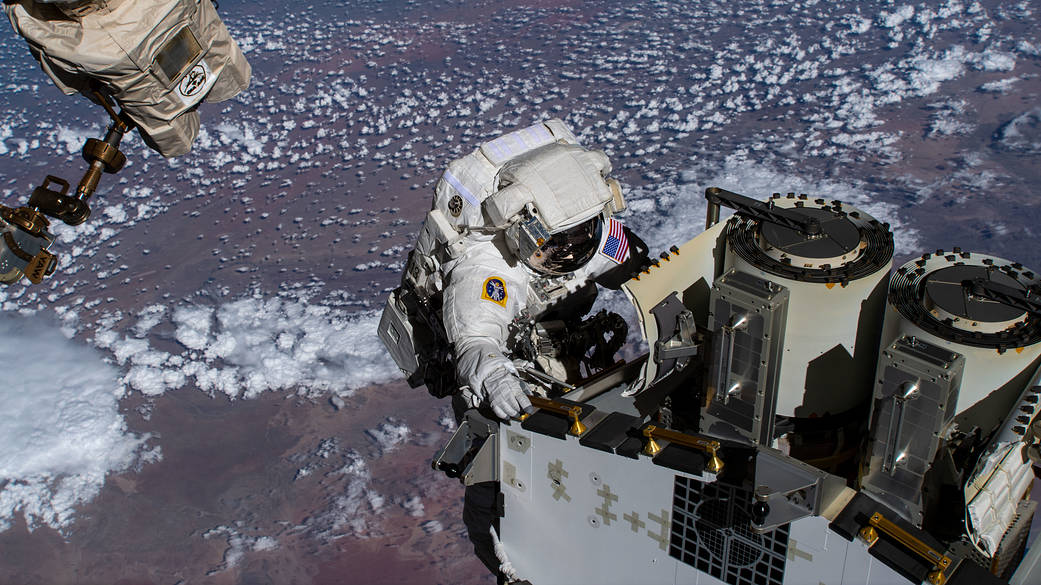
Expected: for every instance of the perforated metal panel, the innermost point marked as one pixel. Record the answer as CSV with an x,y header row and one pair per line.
x,y
710,532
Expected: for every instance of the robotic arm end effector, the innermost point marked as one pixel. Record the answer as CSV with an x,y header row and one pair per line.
x,y
24,240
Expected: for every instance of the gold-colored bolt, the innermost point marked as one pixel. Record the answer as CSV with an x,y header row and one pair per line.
x,y
652,447
869,535
936,577
577,428
715,464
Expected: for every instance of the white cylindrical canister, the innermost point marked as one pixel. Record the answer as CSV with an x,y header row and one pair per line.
x,y
837,280
933,299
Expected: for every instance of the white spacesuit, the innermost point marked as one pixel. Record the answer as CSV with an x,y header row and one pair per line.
x,y
518,226
492,283
157,58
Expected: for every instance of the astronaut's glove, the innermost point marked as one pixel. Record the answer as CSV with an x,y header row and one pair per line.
x,y
470,398
506,394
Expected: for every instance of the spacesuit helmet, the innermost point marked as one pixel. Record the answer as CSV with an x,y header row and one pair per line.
x,y
551,203
568,250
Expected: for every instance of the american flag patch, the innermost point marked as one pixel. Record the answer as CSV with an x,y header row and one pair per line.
x,y
616,246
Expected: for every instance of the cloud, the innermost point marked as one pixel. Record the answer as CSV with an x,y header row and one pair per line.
x,y
242,348
662,215
238,545
60,426
389,435
1021,134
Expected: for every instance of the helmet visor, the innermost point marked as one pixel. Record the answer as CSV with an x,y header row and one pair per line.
x,y
568,250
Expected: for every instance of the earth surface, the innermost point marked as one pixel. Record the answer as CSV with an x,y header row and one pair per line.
x,y
198,395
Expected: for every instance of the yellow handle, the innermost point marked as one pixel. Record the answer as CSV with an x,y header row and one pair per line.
x,y
709,446
879,523
573,412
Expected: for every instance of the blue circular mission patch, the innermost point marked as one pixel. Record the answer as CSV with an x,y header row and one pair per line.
x,y
495,291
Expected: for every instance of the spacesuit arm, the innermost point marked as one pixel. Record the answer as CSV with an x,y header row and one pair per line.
x,y
492,378
482,296
478,358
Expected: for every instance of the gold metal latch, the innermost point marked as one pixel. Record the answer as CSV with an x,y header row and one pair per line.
x,y
709,446
573,412
878,523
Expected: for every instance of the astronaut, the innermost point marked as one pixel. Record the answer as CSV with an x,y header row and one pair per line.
x,y
559,236
520,233
158,59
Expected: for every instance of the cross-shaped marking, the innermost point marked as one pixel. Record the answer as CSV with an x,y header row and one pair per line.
x,y
633,518
662,538
556,475
793,551
605,509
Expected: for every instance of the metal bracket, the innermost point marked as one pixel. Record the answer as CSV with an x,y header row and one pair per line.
x,y
471,455
681,344
484,466
787,490
676,335
544,377
759,211
1024,300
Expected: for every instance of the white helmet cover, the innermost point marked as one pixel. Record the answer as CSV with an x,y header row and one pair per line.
x,y
562,184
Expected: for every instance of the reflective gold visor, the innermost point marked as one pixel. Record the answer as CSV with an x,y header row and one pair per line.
x,y
568,250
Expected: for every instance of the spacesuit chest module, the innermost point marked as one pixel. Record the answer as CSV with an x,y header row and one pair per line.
x,y
157,58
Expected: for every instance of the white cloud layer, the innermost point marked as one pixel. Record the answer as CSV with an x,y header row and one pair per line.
x,y
257,344
60,426
671,214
